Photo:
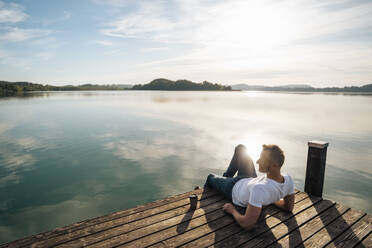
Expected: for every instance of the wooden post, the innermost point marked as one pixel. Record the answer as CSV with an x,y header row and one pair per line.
x,y
316,161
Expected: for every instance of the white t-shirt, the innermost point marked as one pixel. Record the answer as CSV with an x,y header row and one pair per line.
x,y
259,191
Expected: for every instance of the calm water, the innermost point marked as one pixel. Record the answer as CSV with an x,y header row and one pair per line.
x,y
69,156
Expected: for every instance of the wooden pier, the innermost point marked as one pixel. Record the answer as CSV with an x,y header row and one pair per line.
x,y
170,222
174,222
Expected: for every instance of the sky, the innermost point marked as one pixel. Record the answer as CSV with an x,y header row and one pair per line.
x,y
266,42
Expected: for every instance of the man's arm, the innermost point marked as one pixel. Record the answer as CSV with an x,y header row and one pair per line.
x,y
287,203
248,220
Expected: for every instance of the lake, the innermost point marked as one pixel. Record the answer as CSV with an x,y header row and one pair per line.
x,y
69,156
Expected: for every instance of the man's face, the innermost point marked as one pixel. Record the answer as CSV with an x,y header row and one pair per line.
x,y
264,161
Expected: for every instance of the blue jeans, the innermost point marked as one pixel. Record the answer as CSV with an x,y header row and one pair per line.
x,y
222,184
241,163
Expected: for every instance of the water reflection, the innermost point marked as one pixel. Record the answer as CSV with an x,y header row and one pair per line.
x,y
164,99
348,186
76,155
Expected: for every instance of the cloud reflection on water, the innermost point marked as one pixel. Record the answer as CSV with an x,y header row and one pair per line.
x,y
100,149
289,120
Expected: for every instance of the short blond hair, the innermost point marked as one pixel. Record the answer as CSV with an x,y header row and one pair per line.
x,y
276,154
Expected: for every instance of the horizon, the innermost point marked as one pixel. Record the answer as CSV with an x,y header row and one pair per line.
x,y
268,43
233,84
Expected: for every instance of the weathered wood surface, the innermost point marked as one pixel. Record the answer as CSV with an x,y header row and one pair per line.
x,y
314,222
353,234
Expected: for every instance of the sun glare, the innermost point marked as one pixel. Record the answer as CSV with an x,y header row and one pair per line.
x,y
253,142
256,24
252,93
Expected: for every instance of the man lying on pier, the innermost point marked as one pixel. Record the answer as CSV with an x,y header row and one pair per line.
x,y
248,190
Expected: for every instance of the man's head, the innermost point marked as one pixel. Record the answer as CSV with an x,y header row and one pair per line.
x,y
272,158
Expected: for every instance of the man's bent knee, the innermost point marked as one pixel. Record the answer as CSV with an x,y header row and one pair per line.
x,y
208,179
240,147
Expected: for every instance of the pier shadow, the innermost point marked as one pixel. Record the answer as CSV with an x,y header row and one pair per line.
x,y
290,222
297,235
333,221
327,215
185,222
273,224
282,222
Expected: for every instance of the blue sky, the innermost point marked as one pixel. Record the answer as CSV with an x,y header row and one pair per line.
x,y
269,42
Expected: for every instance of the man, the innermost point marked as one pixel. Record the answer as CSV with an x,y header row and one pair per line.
x,y
248,190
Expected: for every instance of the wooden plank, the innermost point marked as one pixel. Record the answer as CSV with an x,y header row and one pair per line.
x,y
172,233
121,234
232,229
289,224
183,238
203,193
352,235
127,223
366,243
344,232
178,229
334,229
168,228
209,227
243,236
72,233
297,236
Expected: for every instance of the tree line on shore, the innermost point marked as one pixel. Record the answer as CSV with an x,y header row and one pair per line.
x,y
19,88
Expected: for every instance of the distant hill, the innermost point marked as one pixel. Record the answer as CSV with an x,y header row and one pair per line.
x,y
246,87
302,87
124,86
166,84
262,87
293,86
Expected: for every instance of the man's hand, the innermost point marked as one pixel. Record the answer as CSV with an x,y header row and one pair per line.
x,y
248,220
228,208
287,203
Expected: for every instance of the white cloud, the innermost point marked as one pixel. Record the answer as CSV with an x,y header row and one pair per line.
x,y
48,41
104,42
3,54
238,40
65,16
149,20
114,3
15,34
155,49
11,13
45,55
236,23
20,63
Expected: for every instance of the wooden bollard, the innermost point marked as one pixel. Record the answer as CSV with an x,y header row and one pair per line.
x,y
316,162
